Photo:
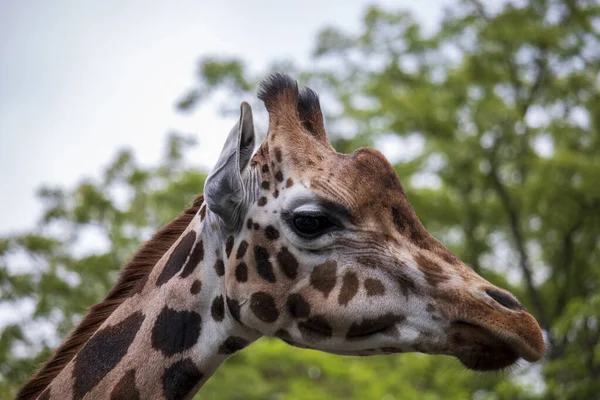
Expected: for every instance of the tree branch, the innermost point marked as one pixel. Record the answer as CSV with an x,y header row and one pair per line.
x,y
469,227
567,252
542,72
519,243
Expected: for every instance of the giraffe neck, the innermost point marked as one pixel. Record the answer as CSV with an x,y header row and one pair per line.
x,y
168,339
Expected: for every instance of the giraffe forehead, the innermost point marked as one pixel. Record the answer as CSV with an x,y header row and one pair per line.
x,y
363,182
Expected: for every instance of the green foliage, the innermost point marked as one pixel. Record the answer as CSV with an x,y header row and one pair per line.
x,y
283,372
503,109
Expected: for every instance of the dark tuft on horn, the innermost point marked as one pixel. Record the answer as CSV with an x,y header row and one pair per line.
x,y
308,101
278,88
309,111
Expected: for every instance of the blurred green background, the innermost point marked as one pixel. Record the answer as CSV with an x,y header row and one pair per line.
x,y
494,123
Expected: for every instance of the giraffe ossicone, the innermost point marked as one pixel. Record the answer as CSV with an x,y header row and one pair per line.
x,y
296,241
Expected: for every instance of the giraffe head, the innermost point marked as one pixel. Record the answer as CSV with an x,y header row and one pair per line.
x,y
325,251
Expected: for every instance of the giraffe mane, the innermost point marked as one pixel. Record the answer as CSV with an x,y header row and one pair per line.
x,y
131,280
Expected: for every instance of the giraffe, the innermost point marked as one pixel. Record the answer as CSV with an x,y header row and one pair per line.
x,y
320,249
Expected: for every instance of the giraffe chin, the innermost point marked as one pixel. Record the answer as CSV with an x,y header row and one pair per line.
x,y
479,349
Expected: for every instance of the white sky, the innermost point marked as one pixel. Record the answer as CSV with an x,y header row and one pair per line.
x,y
80,80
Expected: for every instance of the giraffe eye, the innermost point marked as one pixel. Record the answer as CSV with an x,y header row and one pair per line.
x,y
310,226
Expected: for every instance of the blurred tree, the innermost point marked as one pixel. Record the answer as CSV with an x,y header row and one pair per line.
x,y
493,123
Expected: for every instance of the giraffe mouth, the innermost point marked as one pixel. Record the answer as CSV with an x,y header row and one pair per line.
x,y
384,324
373,330
487,334
480,349
356,332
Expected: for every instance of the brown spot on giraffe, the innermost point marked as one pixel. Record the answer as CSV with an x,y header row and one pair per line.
x,y
102,353
180,379
217,308
232,344
194,260
241,272
349,288
234,308
287,263
229,245
126,388
374,287
271,233
323,277
263,306
177,258
262,201
175,331
297,306
220,267
396,269
241,252
196,287
263,264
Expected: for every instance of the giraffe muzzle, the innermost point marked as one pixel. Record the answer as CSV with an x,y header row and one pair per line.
x,y
491,330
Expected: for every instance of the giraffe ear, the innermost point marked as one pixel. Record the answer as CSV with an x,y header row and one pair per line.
x,y
224,189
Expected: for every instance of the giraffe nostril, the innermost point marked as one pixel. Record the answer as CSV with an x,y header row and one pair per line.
x,y
505,299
